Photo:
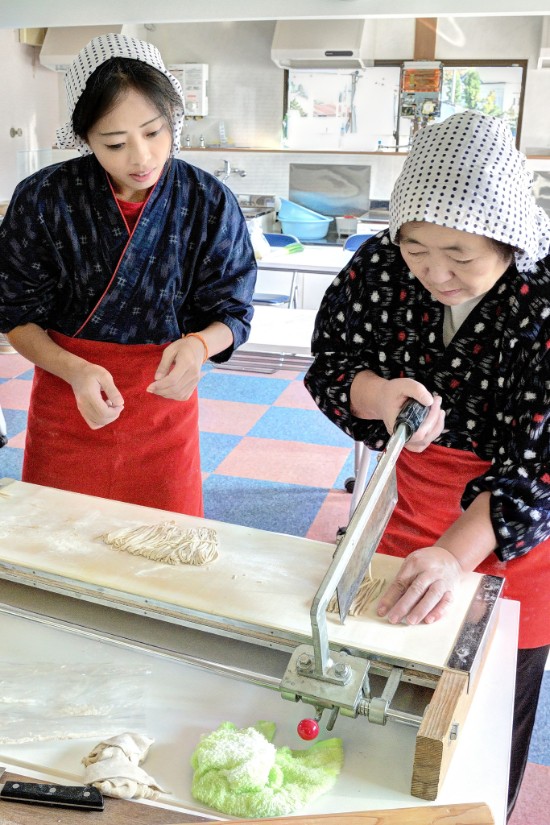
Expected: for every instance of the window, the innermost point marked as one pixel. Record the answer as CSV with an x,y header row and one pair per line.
x,y
361,111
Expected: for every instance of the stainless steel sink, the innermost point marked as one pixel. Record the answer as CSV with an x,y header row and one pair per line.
x,y
255,211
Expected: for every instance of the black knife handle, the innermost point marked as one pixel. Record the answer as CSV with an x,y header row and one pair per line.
x,y
412,414
60,796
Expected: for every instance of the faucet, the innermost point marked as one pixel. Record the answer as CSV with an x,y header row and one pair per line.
x,y
228,170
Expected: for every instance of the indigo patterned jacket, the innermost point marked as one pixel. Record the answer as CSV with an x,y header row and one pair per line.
x,y
494,376
188,263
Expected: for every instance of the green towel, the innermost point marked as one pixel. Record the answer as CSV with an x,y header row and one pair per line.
x,y
241,773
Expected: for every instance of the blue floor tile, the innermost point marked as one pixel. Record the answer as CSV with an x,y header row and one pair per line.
x,y
348,470
16,421
539,751
223,387
11,463
307,426
214,448
265,505
27,376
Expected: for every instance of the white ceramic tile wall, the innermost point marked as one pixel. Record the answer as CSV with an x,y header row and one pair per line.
x,y
245,88
267,173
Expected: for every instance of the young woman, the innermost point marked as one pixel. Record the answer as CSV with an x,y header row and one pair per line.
x,y
121,272
452,307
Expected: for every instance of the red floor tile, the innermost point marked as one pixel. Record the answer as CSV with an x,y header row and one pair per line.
x,y
229,417
533,805
334,513
18,440
15,394
290,462
12,365
295,395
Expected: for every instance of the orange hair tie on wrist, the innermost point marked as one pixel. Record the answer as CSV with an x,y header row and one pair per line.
x,y
203,342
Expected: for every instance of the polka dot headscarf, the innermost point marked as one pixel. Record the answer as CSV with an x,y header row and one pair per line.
x,y
99,50
466,173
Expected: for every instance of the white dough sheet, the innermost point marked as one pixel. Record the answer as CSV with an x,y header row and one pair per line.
x,y
260,578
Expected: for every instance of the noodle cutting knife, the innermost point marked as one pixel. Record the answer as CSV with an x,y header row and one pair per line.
x,y
83,797
369,520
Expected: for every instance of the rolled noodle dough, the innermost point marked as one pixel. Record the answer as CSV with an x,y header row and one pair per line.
x,y
166,542
369,590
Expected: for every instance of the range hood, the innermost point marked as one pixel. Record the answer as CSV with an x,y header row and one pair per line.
x,y
62,44
323,44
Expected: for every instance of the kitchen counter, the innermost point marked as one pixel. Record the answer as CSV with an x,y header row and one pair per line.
x,y
322,259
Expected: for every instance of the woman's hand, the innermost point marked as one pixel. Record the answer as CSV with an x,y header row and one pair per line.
x,y
424,587
430,429
179,370
97,398
374,397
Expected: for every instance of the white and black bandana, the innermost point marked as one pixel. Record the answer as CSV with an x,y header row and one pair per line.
x,y
98,51
466,173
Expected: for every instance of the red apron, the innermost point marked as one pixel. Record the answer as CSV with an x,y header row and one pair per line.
x,y
149,455
430,486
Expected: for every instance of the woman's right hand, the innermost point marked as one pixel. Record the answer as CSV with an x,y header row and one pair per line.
x,y
97,398
381,399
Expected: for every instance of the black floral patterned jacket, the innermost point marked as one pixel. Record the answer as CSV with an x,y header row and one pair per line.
x,y
494,377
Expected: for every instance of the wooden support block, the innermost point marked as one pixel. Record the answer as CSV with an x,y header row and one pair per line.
x,y
470,813
437,734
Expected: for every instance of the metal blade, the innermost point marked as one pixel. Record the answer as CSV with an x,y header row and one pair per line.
x,y
368,522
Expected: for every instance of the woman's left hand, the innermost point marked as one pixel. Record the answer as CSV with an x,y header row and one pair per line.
x,y
179,370
424,587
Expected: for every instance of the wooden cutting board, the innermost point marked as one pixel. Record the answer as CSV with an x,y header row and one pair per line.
x,y
463,814
259,578
128,812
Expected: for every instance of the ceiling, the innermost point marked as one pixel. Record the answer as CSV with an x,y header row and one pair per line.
x,y
37,13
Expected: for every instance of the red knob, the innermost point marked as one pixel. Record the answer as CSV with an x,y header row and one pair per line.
x,y
308,729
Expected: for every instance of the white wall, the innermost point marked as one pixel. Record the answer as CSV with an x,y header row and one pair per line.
x,y
246,89
28,101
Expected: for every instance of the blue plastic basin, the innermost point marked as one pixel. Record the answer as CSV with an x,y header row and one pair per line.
x,y
306,224
310,230
294,211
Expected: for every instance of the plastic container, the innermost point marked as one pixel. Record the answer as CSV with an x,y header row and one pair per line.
x,y
346,225
307,230
306,224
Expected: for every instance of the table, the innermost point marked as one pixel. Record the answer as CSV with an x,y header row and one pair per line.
x,y
280,338
206,646
181,702
314,269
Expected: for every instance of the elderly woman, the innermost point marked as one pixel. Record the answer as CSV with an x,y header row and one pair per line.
x,y
451,307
